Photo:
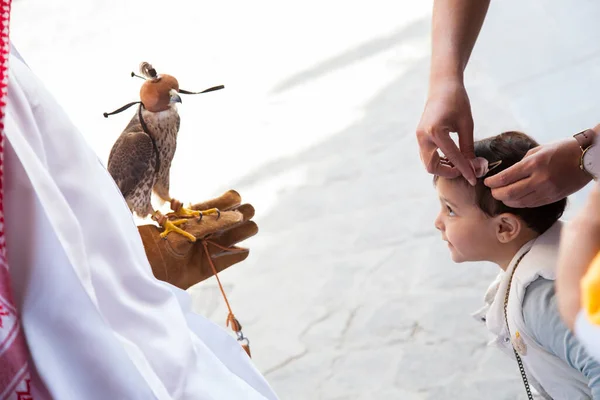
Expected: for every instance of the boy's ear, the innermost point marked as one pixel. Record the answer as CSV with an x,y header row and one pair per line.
x,y
508,227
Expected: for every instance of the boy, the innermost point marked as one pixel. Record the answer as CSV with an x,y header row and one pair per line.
x,y
521,310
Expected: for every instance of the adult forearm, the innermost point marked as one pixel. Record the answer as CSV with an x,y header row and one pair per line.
x,y
455,27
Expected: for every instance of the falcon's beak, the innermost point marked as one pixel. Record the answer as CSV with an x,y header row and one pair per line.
x,y
175,98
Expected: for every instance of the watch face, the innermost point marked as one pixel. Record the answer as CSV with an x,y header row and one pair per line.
x,y
591,160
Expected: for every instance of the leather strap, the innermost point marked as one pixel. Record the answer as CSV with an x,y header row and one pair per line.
x,y
147,132
231,319
585,138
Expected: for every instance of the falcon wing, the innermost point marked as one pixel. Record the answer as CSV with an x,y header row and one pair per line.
x,y
131,157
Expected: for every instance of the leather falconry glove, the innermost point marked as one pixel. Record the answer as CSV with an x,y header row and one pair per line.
x,y
182,263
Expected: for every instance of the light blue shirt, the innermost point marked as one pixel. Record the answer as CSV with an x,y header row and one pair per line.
x,y
540,312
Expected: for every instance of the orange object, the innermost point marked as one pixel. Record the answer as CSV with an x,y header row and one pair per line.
x,y
590,291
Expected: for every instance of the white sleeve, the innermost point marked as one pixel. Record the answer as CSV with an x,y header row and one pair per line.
x,y
97,322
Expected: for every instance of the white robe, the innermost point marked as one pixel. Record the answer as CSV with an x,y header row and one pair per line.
x,y
97,322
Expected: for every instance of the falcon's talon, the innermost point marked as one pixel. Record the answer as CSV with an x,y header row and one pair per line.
x,y
201,214
172,226
210,211
188,213
184,212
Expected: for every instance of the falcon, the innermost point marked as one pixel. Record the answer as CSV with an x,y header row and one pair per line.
x,y
140,159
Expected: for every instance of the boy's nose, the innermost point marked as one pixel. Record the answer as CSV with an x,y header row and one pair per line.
x,y
438,222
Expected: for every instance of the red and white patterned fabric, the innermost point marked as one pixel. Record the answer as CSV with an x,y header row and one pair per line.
x,y
14,372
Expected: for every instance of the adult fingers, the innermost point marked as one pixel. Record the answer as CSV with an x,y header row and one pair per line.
x,y
430,157
237,234
247,211
225,261
445,143
517,194
443,167
509,176
226,201
210,224
465,138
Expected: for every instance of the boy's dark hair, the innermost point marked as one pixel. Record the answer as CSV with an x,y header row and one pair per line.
x,y
510,148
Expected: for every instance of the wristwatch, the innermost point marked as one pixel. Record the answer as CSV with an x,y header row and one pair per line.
x,y
590,152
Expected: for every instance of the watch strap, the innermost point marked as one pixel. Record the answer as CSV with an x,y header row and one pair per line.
x,y
585,138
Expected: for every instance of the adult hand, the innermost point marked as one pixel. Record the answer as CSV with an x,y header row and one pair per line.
x,y
579,244
182,263
447,110
546,174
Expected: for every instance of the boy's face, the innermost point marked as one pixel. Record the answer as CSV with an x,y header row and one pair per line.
x,y
470,233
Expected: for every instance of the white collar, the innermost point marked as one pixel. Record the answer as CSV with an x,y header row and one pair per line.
x,y
540,261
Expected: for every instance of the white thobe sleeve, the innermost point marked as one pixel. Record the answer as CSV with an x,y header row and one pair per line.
x,y
98,324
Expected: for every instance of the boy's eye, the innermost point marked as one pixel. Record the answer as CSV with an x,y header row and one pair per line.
x,y
450,210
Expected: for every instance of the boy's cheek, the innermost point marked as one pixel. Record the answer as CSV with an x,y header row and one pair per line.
x,y
457,258
456,255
